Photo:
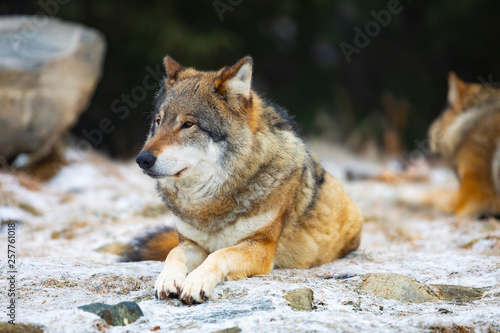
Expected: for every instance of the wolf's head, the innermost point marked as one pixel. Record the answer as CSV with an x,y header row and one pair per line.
x,y
466,104
196,114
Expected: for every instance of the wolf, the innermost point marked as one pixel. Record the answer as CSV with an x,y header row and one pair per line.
x,y
247,193
467,135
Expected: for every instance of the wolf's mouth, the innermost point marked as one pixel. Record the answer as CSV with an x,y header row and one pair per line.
x,y
159,176
178,174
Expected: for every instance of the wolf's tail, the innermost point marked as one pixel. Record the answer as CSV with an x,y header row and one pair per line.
x,y
155,245
496,168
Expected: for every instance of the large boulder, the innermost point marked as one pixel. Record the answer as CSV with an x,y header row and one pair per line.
x,y
398,287
48,71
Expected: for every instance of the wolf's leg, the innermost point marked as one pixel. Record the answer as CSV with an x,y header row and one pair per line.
x,y
475,197
477,194
250,257
180,261
443,199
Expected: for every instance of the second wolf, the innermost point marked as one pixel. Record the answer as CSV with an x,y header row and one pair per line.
x,y
467,135
247,193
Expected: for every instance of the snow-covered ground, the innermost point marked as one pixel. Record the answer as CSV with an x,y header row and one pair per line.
x,y
94,202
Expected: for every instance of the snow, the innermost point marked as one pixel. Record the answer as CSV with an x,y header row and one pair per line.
x,y
94,201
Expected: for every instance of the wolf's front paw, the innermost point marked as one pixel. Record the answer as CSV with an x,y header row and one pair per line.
x,y
169,282
198,287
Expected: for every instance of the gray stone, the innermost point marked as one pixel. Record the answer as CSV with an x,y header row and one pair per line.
x,y
300,299
398,287
403,288
444,311
120,314
454,328
19,328
48,71
229,330
459,294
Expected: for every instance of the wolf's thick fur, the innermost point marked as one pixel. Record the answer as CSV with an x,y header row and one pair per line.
x,y
154,245
247,192
467,135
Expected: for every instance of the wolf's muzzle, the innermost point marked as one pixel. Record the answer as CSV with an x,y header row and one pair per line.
x,y
146,160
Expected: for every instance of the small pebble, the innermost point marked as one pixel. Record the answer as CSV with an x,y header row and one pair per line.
x,y
120,314
444,311
300,299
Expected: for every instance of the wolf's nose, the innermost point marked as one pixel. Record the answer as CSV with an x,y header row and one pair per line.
x,y
145,160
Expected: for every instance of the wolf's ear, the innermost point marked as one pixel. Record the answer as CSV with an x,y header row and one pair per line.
x,y
456,87
236,80
172,67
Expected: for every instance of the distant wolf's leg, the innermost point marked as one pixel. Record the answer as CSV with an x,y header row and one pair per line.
x,y
475,198
180,261
251,257
443,199
477,195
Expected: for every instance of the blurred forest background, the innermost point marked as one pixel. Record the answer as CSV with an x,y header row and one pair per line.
x,y
393,87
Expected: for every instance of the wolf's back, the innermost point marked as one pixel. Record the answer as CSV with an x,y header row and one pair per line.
x,y
155,245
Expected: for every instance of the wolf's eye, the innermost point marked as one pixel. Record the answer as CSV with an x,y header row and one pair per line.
x,y
187,124
157,121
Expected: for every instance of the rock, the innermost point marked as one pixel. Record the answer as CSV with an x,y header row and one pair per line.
x,y
119,314
229,330
300,299
454,328
398,287
402,288
19,328
461,294
48,71
343,276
